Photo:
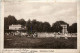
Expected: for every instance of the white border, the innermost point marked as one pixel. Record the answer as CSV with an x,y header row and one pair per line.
x,y
55,50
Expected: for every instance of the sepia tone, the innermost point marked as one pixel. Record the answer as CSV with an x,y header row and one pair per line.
x,y
41,26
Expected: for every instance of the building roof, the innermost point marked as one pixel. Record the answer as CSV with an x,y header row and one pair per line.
x,y
16,25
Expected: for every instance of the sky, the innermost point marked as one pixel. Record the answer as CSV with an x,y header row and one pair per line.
x,y
42,11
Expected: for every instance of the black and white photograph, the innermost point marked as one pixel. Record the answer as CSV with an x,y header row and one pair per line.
x,y
40,25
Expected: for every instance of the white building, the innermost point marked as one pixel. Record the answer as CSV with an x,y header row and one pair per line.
x,y
64,30
15,27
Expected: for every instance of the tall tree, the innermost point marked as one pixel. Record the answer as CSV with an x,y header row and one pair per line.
x,y
56,27
22,22
28,25
73,28
9,21
46,27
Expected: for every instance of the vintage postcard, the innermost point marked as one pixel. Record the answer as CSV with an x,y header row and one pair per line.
x,y
39,26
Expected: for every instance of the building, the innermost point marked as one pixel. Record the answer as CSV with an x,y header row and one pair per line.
x,y
64,30
15,27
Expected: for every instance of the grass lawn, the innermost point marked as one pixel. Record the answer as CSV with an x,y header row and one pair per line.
x,y
39,43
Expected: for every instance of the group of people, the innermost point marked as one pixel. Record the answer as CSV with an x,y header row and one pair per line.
x,y
59,35
18,33
35,34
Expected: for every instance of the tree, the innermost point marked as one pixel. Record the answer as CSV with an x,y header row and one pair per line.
x,y
38,26
9,21
5,23
28,25
73,28
56,27
46,27
22,22
34,25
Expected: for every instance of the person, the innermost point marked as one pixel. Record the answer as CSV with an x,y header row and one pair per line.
x,y
35,35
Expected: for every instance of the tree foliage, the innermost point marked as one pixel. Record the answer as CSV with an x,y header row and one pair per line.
x,y
73,28
39,26
21,21
9,21
56,27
